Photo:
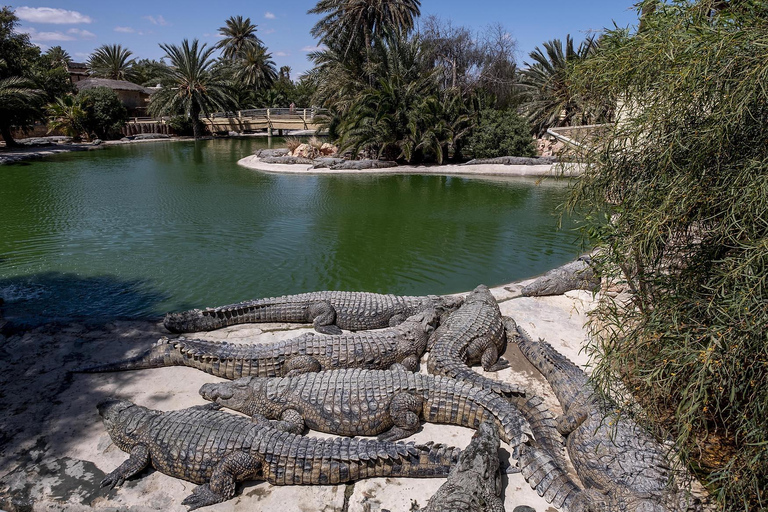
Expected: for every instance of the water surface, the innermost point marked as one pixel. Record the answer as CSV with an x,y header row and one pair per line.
x,y
142,229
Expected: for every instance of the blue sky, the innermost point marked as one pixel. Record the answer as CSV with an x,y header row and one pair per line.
x,y
80,26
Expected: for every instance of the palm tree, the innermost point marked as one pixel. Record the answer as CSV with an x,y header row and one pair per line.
x,y
549,98
366,19
256,68
111,61
68,115
16,94
58,57
189,87
239,35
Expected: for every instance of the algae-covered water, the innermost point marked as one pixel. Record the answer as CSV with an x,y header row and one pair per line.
x,y
138,230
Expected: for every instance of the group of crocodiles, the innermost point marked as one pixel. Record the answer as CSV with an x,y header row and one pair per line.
x,y
363,384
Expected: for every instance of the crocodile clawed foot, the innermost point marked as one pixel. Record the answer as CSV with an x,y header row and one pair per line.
x,y
202,496
501,364
112,480
332,330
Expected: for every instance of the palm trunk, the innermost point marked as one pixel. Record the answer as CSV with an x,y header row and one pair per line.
x,y
194,113
5,131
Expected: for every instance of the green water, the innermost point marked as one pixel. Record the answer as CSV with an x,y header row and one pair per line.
x,y
142,229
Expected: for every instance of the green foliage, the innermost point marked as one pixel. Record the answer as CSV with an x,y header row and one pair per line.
x,y
111,61
549,97
105,113
181,125
189,85
147,72
68,115
684,179
501,133
238,36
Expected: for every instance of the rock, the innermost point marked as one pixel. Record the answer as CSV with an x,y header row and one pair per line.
x,y
513,160
363,164
326,162
303,151
270,153
328,149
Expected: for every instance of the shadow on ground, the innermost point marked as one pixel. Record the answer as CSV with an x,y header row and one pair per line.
x,y
51,324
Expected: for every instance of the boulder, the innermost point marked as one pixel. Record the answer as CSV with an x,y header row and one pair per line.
x,y
328,149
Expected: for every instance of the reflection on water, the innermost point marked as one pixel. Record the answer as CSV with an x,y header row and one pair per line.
x,y
179,225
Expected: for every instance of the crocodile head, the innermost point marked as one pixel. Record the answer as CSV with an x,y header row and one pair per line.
x,y
122,419
246,395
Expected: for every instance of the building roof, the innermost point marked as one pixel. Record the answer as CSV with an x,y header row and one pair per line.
x,y
115,85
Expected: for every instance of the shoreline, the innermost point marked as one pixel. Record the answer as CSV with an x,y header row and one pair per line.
x,y
534,171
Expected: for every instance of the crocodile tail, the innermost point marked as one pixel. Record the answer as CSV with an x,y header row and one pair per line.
x,y
418,460
156,357
550,480
273,309
452,367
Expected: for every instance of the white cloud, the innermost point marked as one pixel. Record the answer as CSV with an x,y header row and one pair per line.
x,y
314,48
269,15
124,30
282,54
156,20
37,37
51,15
86,34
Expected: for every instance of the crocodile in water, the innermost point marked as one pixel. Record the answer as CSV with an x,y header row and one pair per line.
x,y
328,311
368,402
403,344
217,449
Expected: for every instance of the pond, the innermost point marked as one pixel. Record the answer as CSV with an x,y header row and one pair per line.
x,y
139,230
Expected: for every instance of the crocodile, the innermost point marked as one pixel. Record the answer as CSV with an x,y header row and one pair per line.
x,y
472,334
403,344
620,464
542,461
328,311
474,484
368,402
217,450
576,275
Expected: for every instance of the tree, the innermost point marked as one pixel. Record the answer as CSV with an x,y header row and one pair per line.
x,y
68,115
676,198
256,68
22,101
501,133
111,61
104,112
363,21
58,57
147,72
189,87
550,99
239,35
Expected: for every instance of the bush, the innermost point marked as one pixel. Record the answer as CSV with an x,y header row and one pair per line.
x,y
501,133
181,125
684,180
105,113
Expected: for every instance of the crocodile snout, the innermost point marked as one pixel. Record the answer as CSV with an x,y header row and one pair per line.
x,y
214,392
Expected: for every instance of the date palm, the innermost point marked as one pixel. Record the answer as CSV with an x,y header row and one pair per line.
x,y
239,35
368,20
256,68
189,85
16,94
68,115
111,61
58,56
550,99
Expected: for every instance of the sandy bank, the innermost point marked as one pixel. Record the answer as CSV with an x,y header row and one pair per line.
x,y
538,171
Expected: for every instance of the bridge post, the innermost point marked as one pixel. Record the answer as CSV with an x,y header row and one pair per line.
x,y
305,119
269,125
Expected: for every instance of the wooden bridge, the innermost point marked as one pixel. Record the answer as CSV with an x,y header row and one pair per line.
x,y
242,121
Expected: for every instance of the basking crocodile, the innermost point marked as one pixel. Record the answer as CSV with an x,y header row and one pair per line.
x,y
368,402
472,334
328,311
217,450
403,344
576,275
474,484
621,466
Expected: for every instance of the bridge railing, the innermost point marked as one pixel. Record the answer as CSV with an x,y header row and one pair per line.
x,y
269,113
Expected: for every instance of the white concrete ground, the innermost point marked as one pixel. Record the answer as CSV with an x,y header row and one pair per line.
x,y
54,450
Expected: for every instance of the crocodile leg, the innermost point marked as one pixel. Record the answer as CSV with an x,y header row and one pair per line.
x,y
484,350
301,364
138,460
323,316
234,467
410,363
396,319
291,421
569,422
404,410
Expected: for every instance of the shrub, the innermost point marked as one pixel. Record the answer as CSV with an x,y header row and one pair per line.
x,y
684,180
501,133
181,125
105,113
